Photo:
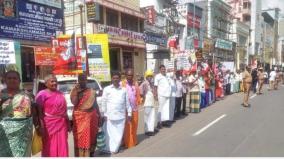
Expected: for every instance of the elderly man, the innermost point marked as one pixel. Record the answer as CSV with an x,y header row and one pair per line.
x,y
162,93
261,78
247,81
133,91
116,107
147,88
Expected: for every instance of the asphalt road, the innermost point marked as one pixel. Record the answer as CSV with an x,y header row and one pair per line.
x,y
225,129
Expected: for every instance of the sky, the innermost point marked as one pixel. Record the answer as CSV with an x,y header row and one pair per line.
x,y
272,4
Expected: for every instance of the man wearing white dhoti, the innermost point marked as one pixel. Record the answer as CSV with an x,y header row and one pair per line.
x,y
162,93
114,103
172,80
147,88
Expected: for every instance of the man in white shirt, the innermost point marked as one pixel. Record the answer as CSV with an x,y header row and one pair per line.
x,y
272,77
162,93
179,95
114,105
172,79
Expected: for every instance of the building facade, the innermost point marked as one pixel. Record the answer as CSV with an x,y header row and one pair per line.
x,y
217,26
122,21
249,12
240,35
27,25
271,17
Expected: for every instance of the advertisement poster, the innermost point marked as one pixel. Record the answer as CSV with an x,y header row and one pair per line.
x,y
68,53
7,52
98,56
25,20
44,56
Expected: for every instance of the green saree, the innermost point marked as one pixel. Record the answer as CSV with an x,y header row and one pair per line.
x,y
15,125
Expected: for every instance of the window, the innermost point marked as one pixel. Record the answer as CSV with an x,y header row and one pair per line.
x,y
111,17
28,64
141,23
71,7
129,22
101,21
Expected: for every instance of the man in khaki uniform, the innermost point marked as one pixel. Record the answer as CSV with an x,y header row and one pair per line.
x,y
260,76
247,80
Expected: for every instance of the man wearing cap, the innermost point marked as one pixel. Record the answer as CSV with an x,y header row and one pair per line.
x,y
247,80
261,78
146,90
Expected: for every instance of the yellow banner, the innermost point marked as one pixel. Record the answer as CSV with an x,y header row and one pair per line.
x,y
98,56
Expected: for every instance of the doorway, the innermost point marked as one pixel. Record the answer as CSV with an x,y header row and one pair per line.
x,y
114,59
28,64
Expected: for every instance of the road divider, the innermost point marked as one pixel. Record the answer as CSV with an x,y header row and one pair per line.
x,y
209,125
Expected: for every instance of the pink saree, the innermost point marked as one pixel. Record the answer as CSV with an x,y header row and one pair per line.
x,y
55,120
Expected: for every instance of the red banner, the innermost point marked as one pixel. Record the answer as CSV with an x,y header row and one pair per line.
x,y
69,58
44,56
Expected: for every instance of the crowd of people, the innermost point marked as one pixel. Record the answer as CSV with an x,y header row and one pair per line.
x,y
165,97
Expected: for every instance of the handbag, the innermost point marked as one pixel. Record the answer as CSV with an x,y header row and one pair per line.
x,y
36,143
101,139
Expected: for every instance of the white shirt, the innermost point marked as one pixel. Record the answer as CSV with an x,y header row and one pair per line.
x,y
272,76
163,84
201,84
194,86
173,87
179,88
115,103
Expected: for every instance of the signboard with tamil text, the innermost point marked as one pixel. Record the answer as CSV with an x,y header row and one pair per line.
x,y
44,56
7,52
31,21
93,11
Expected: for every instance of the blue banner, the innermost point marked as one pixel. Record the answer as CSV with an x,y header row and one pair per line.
x,y
30,21
156,39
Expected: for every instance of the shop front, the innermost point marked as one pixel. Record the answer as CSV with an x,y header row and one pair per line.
x,y
126,48
28,25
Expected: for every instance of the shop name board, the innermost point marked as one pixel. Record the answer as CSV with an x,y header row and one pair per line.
x,y
7,52
93,11
156,39
224,44
120,32
31,21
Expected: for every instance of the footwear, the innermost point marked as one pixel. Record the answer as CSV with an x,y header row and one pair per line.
x,y
150,133
156,130
159,126
184,114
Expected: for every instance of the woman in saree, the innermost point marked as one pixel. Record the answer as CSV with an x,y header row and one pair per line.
x,y
53,119
15,118
86,117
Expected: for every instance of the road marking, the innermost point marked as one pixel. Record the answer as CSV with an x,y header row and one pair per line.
x,y
252,96
209,125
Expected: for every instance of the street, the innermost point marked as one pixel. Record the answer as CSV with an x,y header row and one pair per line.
x,y
224,129
250,132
